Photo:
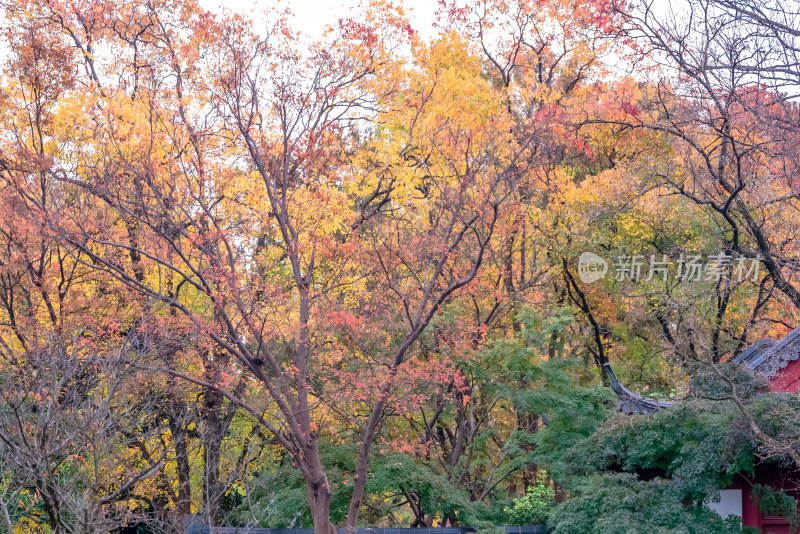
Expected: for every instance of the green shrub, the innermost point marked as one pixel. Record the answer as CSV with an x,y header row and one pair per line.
x,y
773,501
534,508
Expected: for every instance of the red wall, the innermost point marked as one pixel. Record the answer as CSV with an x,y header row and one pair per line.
x,y
751,515
788,379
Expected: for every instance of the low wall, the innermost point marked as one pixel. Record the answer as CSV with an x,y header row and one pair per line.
x,y
197,529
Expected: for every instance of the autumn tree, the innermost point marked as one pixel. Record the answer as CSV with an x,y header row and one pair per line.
x,y
330,245
68,461
736,156
233,181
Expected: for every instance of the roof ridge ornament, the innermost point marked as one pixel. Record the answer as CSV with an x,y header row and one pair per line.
x,y
632,403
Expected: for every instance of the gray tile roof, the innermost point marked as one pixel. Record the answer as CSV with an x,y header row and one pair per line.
x,y
633,403
768,356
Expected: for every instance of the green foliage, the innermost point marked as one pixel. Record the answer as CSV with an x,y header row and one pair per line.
x,y
775,502
779,417
715,383
559,389
650,473
278,497
399,473
534,508
621,503
643,474
574,411
697,445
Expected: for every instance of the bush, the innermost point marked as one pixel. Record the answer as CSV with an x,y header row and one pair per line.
x,y
623,504
534,508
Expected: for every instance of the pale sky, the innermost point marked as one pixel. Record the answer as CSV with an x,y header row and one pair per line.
x,y
311,16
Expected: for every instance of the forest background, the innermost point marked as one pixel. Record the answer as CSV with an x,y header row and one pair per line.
x,y
276,281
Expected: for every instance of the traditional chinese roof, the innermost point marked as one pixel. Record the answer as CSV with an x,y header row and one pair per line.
x,y
633,403
768,356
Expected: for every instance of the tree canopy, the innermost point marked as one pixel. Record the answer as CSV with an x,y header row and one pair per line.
x,y
375,279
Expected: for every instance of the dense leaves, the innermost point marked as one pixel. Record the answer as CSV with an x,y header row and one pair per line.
x,y
653,473
279,281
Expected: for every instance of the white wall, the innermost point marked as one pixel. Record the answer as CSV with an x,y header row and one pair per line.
x,y
730,503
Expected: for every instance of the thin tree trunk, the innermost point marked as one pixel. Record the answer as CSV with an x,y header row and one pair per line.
x,y
178,431
212,442
318,488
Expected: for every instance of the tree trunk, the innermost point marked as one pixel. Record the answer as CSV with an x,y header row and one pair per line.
x,y
178,430
212,442
360,479
359,483
318,488
320,508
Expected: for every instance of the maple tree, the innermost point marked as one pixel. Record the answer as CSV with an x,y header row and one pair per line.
x,y
162,213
